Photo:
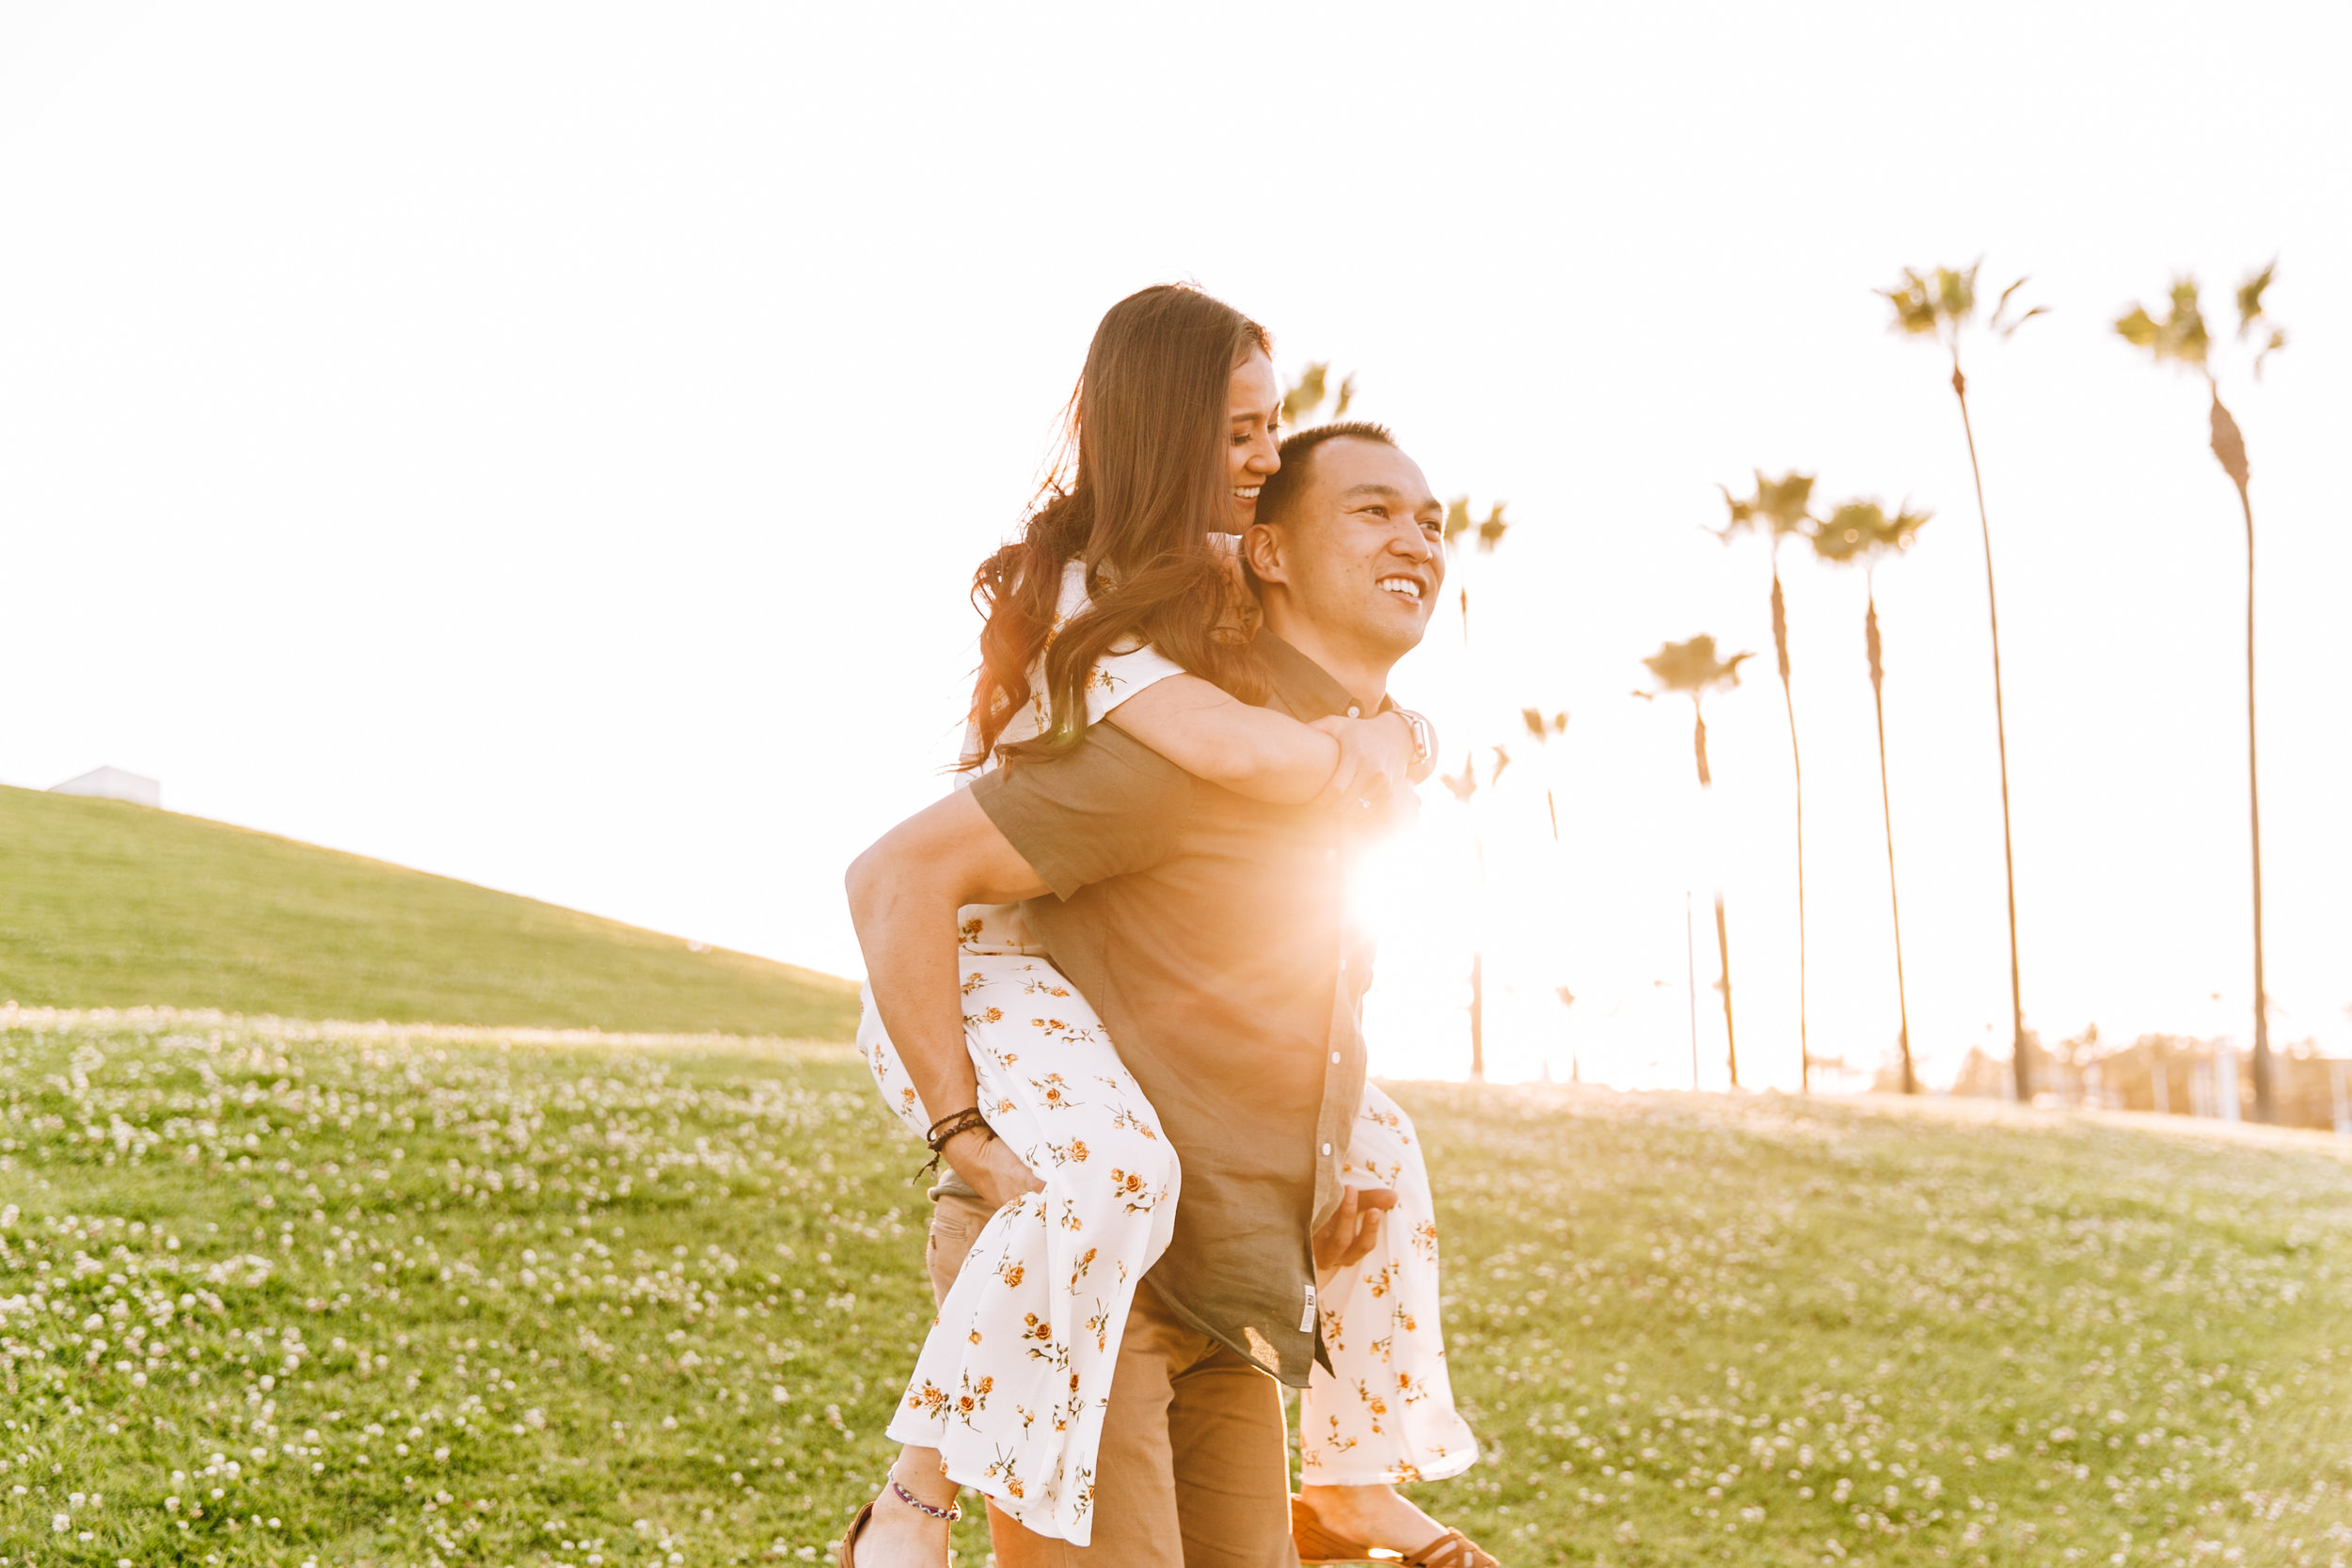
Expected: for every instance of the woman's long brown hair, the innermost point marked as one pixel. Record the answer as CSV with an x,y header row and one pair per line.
x,y
1146,428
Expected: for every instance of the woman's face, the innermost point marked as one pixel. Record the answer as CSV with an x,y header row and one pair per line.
x,y
1253,407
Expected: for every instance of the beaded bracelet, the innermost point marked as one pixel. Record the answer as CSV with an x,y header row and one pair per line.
x,y
952,1513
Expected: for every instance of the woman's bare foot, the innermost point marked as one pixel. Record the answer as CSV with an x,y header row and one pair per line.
x,y
1375,1516
900,1536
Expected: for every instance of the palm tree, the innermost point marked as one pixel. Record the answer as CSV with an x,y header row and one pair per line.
x,y
1861,533
1464,786
1938,307
1305,395
2182,337
1543,731
1461,536
1693,670
1777,510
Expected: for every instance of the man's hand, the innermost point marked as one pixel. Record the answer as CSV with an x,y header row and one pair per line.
x,y
1348,1235
1376,759
992,1169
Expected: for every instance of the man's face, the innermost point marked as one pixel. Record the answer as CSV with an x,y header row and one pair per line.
x,y
1361,551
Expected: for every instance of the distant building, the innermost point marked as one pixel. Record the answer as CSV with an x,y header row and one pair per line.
x,y
114,783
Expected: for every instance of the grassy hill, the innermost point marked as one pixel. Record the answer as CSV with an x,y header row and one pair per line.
x,y
273,1297
103,904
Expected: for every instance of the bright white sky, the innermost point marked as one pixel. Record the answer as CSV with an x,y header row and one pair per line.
x,y
547,445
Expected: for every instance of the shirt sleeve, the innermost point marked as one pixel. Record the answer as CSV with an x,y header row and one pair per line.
x,y
1110,807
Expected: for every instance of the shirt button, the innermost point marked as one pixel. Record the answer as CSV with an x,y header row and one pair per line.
x,y
1335,1058
1326,1149
1354,712
1342,966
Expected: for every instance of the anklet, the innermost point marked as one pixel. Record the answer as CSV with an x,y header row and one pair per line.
x,y
952,1512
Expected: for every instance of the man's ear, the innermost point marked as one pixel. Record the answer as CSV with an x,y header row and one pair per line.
x,y
1264,549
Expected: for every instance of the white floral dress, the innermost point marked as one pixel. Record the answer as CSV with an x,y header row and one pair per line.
x,y
1013,1379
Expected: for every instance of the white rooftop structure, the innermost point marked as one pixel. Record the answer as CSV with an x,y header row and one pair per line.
x,y
114,783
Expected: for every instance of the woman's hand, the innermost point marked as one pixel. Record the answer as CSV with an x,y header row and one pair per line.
x,y
989,1168
1376,759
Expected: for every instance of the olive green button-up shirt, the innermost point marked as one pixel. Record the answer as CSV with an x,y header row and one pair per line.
x,y
1210,933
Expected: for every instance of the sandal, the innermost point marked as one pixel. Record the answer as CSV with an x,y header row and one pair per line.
x,y
1317,1544
848,1537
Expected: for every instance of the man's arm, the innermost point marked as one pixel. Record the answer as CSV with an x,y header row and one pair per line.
x,y
904,894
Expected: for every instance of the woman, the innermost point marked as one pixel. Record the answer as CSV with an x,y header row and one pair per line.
x,y
1117,602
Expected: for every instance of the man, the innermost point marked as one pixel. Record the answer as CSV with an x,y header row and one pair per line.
x,y
1209,932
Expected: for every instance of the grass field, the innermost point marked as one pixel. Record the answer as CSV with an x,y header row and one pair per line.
x,y
109,905
271,1294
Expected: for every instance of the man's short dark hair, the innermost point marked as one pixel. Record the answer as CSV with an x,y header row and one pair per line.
x,y
1287,483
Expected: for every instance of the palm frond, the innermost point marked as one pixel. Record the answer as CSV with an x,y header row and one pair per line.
x,y
1465,784
1863,532
2277,341
1913,302
1458,517
1541,728
1305,394
2249,299
2180,336
1491,533
1691,668
1781,506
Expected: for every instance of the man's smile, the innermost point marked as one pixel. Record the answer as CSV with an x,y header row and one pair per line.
x,y
1404,585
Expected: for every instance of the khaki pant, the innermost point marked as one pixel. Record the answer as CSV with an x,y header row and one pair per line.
x,y
1193,1471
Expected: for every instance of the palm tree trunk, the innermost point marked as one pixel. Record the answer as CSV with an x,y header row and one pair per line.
x,y
1722,938
1886,806
1690,985
2021,1067
1723,955
1478,1018
1789,701
1478,961
2230,446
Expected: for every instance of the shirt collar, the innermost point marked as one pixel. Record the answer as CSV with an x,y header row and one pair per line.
x,y
1301,685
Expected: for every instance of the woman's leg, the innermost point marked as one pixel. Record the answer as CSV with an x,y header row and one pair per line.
x,y
1010,1385
1384,1415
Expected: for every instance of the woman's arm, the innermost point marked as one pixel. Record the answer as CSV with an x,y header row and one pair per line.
x,y
904,893
1266,756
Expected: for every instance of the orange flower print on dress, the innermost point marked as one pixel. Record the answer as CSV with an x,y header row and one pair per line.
x,y
1384,1413
1056,1094
974,1398
1131,1187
